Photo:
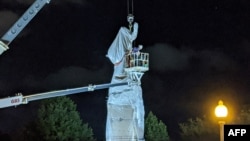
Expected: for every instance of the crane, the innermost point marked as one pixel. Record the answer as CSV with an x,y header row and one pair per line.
x,y
28,15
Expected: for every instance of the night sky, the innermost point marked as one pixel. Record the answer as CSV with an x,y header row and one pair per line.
x,y
199,54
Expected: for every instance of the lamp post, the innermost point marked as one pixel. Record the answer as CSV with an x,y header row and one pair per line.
x,y
221,113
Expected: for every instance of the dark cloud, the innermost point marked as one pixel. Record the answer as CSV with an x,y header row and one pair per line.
x,y
8,18
245,46
215,60
69,77
165,57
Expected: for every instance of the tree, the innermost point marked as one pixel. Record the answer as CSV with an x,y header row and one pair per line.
x,y
4,137
243,116
58,120
29,133
198,130
155,130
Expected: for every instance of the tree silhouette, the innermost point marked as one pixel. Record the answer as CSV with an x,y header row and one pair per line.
x,y
199,130
58,120
155,130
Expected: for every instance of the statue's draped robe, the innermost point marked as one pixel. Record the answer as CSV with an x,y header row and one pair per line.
x,y
125,109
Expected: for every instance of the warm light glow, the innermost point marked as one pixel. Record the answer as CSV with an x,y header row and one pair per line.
x,y
221,110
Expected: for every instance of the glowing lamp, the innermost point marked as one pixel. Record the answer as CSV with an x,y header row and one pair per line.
x,y
221,110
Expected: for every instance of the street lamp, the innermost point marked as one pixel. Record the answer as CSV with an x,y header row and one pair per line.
x,y
221,112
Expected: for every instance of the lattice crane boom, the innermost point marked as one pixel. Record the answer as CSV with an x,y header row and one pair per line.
x,y
21,23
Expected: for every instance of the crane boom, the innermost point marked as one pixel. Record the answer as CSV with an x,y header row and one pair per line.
x,y
20,99
29,14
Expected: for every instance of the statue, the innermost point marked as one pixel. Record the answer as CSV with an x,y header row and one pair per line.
x,y
125,109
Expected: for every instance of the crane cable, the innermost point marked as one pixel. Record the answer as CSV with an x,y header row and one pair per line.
x,y
130,10
130,17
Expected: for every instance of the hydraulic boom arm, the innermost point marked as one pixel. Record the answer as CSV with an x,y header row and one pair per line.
x,y
29,14
20,99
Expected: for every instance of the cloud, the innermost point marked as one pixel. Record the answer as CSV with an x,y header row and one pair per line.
x,y
244,47
215,60
164,57
8,18
70,77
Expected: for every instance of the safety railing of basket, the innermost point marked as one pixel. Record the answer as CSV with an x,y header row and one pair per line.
x,y
137,61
